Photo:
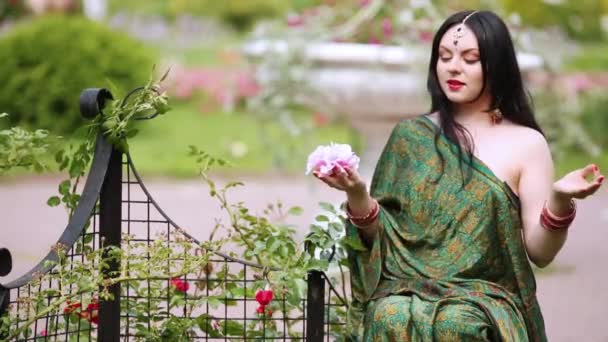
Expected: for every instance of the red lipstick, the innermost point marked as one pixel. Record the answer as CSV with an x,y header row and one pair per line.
x,y
455,85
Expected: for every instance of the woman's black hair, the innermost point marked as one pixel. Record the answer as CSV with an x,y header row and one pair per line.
x,y
501,75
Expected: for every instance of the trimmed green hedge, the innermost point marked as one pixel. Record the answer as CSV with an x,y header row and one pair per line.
x,y
47,62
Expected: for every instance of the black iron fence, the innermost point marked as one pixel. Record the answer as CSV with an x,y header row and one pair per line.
x,y
116,203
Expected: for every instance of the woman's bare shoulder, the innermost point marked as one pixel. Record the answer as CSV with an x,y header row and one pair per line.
x,y
527,140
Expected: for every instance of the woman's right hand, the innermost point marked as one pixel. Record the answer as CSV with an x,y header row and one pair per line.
x,y
345,180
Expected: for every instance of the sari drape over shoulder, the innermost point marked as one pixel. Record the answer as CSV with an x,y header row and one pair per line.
x,y
448,260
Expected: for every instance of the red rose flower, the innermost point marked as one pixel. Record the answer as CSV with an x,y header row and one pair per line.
x,y
264,297
180,285
91,313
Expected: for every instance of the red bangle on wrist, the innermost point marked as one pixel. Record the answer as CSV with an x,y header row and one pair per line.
x,y
554,222
365,220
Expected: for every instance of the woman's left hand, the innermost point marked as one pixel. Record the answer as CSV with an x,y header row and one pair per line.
x,y
579,183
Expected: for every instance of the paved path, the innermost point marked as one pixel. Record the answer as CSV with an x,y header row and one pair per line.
x,y
573,291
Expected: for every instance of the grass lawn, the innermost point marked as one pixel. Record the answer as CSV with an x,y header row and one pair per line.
x,y
161,148
219,53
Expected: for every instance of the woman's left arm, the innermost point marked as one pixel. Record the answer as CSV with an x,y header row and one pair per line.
x,y
537,190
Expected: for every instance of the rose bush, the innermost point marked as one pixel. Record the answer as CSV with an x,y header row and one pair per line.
x,y
171,284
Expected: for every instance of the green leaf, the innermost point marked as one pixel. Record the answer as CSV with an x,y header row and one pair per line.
x,y
234,184
292,296
53,201
38,167
132,133
123,146
301,287
204,323
64,164
76,169
327,206
337,227
176,300
192,150
315,228
64,187
295,211
214,302
59,156
322,218
233,328
272,244
88,238
319,265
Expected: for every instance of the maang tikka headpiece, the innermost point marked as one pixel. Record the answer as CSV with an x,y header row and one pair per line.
x,y
460,29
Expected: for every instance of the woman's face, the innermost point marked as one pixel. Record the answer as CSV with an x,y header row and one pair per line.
x,y
459,69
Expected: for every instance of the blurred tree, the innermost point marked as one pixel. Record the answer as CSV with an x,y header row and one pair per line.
x,y
239,14
12,9
581,19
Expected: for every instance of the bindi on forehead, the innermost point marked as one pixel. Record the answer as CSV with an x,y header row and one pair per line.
x,y
458,34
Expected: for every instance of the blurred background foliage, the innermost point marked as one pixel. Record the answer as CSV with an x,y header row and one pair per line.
x,y
50,51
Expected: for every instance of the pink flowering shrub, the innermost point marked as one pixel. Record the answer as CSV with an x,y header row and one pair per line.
x,y
225,87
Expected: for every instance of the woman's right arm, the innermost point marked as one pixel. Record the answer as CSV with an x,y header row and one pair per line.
x,y
361,204
359,201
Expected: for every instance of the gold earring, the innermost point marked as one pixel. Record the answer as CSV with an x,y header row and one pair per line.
x,y
496,116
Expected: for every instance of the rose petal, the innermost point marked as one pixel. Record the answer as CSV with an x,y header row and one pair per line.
x,y
330,158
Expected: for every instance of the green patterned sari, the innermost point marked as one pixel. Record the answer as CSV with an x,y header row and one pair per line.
x,y
448,263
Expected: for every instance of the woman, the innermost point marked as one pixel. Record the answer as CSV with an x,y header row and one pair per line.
x,y
460,199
